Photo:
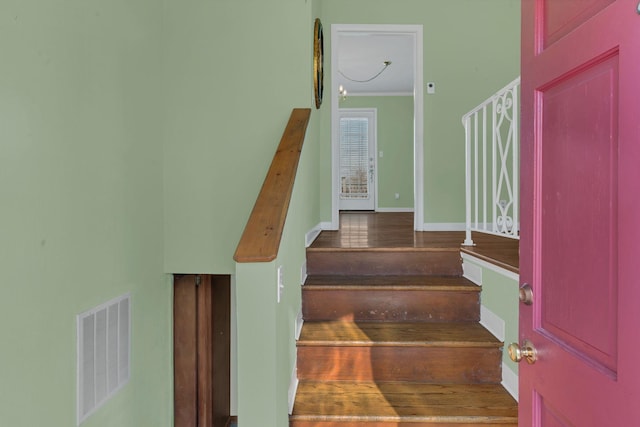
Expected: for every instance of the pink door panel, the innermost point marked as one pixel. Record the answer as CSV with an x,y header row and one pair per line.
x,y
561,17
580,212
578,185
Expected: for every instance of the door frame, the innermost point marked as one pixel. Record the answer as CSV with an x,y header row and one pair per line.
x,y
372,114
201,349
418,115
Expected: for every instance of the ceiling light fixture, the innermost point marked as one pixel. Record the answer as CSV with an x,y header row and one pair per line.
x,y
385,65
342,92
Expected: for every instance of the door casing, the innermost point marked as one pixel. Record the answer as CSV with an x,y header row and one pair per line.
x,y
416,32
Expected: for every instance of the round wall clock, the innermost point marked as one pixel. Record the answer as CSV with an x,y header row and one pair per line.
x,y
318,62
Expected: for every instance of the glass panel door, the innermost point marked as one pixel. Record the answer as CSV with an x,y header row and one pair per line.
x,y
357,159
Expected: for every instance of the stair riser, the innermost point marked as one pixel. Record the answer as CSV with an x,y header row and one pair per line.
x,y
454,365
390,305
437,263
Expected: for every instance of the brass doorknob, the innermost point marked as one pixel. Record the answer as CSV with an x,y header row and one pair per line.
x,y
527,351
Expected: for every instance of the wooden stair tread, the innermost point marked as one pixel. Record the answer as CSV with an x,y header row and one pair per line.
x,y
423,334
404,402
435,283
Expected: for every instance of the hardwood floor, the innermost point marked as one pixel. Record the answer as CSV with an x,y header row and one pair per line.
x,y
378,231
359,230
391,335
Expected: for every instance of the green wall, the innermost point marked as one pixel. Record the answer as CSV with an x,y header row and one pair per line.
x,y
81,219
500,292
395,140
471,49
266,328
134,138
500,295
234,70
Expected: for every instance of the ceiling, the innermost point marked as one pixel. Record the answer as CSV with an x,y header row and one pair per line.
x,y
362,55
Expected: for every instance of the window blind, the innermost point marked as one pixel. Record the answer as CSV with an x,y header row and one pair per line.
x,y
354,157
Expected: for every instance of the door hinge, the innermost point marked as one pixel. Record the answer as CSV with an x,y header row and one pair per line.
x,y
198,280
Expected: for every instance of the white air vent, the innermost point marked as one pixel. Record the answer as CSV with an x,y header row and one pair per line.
x,y
103,353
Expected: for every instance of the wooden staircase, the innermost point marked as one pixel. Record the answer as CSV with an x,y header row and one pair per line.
x,y
391,338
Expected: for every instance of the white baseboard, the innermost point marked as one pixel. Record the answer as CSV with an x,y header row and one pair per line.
x,y
394,209
327,225
299,323
492,267
492,322
444,226
510,381
293,387
312,234
303,272
472,272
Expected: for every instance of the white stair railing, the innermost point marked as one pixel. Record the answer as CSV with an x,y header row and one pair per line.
x,y
492,164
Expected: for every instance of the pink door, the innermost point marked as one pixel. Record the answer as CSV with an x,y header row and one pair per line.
x,y
580,230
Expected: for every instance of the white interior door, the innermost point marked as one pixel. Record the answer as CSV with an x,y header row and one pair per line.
x,y
357,159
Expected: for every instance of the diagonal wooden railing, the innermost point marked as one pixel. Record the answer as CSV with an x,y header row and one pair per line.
x,y
260,240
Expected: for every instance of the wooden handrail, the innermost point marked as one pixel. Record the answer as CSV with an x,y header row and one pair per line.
x,y
260,240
